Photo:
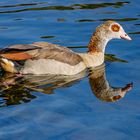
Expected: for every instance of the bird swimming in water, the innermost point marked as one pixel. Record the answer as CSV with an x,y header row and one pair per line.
x,y
46,58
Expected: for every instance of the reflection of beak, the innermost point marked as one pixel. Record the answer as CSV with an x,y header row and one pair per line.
x,y
125,36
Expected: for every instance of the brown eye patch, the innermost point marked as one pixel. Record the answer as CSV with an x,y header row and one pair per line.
x,y
115,28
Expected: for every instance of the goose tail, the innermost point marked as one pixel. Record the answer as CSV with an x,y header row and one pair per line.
x,y
7,65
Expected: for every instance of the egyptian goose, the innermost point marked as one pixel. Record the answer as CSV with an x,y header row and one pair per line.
x,y
47,58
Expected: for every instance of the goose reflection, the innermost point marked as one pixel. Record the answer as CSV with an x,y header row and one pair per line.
x,y
19,89
102,89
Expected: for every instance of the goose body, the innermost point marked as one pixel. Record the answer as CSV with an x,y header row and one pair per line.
x,y
47,58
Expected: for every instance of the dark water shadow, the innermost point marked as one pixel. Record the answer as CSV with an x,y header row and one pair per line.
x,y
114,19
48,36
120,19
60,7
17,90
85,20
22,5
134,33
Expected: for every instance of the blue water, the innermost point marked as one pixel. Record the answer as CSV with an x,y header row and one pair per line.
x,y
73,111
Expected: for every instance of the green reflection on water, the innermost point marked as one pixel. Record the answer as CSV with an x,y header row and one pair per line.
x,y
71,7
113,58
100,5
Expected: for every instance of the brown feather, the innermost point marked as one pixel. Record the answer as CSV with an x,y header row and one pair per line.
x,y
17,56
59,54
41,50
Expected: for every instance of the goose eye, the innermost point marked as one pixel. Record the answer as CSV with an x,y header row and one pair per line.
x,y
115,28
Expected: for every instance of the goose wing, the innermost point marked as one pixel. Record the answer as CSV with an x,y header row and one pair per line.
x,y
40,50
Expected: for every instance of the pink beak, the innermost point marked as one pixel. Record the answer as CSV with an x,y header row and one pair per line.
x,y
125,36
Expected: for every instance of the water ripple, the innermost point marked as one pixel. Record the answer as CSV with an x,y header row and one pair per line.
x,y
21,5
120,19
134,33
71,7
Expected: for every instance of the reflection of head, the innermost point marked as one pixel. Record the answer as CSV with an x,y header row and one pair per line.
x,y
103,90
113,94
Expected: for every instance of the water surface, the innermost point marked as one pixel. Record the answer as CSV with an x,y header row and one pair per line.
x,y
96,105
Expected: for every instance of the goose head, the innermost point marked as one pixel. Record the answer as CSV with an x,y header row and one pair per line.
x,y
112,30
104,33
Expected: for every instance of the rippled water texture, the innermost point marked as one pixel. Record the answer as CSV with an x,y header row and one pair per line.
x,y
99,105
